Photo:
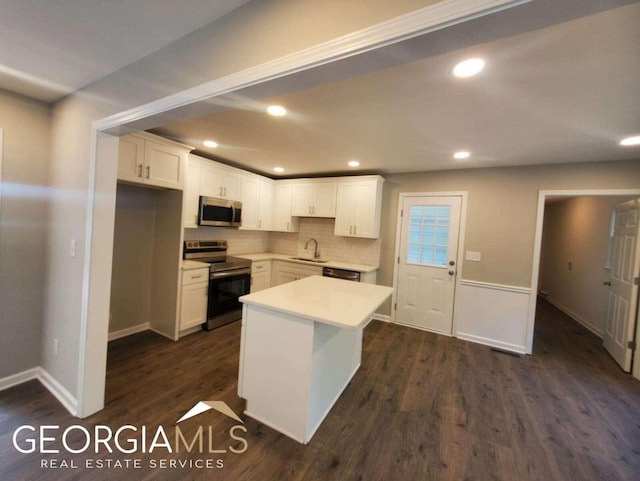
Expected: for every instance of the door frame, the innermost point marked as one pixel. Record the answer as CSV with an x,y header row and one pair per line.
x,y
537,249
461,237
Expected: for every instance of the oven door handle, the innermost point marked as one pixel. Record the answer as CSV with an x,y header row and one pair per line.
x,y
237,272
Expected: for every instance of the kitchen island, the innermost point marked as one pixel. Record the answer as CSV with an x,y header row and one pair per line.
x,y
301,344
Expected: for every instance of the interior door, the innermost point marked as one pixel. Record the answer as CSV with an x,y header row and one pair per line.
x,y
623,290
427,268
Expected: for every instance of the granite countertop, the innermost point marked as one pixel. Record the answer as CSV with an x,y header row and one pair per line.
x,y
266,256
327,300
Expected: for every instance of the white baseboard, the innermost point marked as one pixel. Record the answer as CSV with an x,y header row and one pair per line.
x,y
575,317
492,343
129,331
378,317
59,391
19,378
53,386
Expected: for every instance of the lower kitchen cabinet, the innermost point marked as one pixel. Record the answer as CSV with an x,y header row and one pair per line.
x,y
193,301
260,275
284,272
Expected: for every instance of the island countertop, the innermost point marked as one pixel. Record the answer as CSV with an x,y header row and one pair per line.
x,y
337,302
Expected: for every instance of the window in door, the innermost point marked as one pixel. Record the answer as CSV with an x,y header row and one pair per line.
x,y
429,235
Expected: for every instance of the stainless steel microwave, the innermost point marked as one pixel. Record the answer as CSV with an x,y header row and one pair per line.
x,y
219,212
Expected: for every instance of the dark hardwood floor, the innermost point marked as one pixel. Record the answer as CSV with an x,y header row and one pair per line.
x,y
422,407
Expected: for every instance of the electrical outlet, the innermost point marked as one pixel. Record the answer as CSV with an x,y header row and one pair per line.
x,y
72,250
473,256
56,346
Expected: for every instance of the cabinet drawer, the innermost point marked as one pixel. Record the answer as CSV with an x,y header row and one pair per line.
x,y
195,275
260,266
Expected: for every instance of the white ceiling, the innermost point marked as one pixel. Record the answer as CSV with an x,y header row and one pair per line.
x,y
52,48
564,93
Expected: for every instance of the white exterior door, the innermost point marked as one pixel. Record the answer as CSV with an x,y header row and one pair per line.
x,y
427,267
623,291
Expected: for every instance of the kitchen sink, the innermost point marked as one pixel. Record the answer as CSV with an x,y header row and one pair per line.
x,y
317,261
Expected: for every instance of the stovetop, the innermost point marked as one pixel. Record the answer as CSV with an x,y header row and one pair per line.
x,y
213,252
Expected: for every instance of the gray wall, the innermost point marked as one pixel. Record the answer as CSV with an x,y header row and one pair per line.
x,y
132,256
23,216
576,231
501,215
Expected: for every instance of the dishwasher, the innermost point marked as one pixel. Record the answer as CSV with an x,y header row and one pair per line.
x,y
341,274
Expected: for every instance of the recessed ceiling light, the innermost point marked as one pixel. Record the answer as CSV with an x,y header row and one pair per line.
x,y
210,143
629,141
468,68
278,169
353,163
463,154
276,110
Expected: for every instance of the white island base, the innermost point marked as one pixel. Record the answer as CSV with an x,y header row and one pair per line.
x,y
301,344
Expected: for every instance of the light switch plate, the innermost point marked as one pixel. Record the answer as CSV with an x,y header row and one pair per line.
x,y
473,256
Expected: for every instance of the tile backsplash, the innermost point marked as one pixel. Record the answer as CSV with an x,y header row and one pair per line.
x,y
240,241
335,248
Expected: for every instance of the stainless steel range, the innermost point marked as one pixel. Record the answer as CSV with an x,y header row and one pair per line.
x,y
229,279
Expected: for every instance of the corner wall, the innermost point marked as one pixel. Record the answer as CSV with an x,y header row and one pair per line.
x,y
26,127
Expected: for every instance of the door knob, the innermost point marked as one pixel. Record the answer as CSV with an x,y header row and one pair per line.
x,y
452,263
451,273
606,283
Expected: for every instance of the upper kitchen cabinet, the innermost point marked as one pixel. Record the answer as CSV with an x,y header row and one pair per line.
x,y
256,196
191,192
282,219
151,160
219,181
359,206
314,198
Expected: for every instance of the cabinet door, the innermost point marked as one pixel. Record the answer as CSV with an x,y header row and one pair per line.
x,y
250,198
130,158
193,306
164,165
265,199
366,214
282,277
281,217
345,208
260,281
191,193
324,204
209,184
302,199
230,184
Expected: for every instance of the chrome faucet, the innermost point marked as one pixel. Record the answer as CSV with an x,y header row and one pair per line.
x,y
316,252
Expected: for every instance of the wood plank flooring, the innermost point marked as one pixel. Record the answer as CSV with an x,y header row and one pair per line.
x,y
422,407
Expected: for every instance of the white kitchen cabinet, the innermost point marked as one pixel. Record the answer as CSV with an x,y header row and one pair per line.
x,y
131,159
193,299
191,193
260,275
359,207
217,181
282,220
151,160
256,197
314,198
283,272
